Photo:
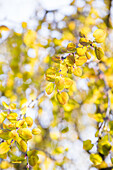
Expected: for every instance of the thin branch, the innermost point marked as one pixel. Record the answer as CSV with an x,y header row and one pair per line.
x,y
102,76
27,157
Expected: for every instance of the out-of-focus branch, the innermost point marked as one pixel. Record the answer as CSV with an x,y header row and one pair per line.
x,y
107,19
102,76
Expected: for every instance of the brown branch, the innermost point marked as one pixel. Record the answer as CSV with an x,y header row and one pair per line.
x,y
102,76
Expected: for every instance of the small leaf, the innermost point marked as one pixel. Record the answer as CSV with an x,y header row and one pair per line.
x,y
50,74
87,145
12,117
68,82
5,105
83,41
2,118
81,50
98,117
4,148
59,81
25,133
63,69
96,159
59,150
9,126
88,55
33,160
29,121
66,129
4,165
56,59
77,71
21,124
32,157
70,59
36,131
14,135
32,152
22,145
111,126
104,147
62,97
4,134
3,156
81,60
71,47
12,106
99,35
99,53
112,160
97,133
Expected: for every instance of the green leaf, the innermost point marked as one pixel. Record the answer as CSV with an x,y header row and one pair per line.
x,y
99,53
104,147
111,126
87,145
4,134
66,129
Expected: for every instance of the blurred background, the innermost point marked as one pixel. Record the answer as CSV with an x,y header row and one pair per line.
x,y
38,30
